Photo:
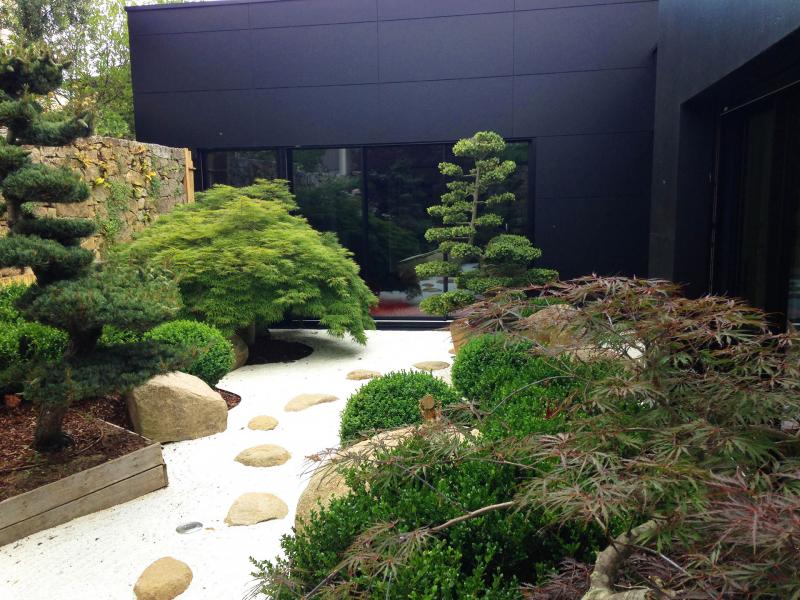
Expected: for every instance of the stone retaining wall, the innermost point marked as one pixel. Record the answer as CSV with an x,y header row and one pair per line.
x,y
132,184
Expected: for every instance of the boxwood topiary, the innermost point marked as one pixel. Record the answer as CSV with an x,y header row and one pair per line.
x,y
486,557
8,297
211,354
391,401
23,344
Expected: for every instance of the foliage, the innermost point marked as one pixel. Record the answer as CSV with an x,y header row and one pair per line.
x,y
689,443
211,352
93,36
350,549
22,345
9,294
240,256
391,401
467,218
71,294
330,205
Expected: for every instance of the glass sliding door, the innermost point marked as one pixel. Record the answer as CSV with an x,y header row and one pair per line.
x,y
757,248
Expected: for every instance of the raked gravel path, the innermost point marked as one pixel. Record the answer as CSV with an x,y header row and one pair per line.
x,y
100,556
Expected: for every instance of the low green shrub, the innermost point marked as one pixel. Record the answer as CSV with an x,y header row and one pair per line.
x,y
210,353
520,390
24,344
391,401
485,557
116,337
8,297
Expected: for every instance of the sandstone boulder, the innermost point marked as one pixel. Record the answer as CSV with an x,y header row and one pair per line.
x,y
175,407
432,365
361,374
165,579
240,352
304,401
550,326
265,455
253,507
263,423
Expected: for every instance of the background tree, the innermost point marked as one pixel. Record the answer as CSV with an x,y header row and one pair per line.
x,y
93,36
468,220
71,293
241,257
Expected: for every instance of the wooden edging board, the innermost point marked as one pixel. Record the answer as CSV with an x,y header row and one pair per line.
x,y
114,482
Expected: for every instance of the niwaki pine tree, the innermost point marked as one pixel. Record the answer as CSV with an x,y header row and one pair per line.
x,y
71,293
466,211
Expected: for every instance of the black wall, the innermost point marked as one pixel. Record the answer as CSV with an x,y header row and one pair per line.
x,y
579,79
712,54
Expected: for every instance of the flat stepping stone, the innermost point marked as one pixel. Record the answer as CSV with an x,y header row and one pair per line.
x,y
432,365
164,579
361,374
265,455
263,423
304,401
254,507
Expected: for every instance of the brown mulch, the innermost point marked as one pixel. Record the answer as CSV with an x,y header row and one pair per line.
x,y
23,469
269,350
231,399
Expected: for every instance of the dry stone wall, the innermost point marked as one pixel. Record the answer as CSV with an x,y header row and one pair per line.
x,y
131,185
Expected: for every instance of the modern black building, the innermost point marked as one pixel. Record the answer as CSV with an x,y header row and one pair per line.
x,y
641,128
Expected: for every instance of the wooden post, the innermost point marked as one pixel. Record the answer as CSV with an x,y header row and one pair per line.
x,y
428,408
188,176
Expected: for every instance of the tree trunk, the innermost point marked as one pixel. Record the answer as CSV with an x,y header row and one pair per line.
x,y
248,334
608,564
49,435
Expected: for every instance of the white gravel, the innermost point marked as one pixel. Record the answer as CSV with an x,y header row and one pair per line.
x,y
100,556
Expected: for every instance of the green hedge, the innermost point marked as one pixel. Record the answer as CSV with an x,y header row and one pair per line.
x,y
8,296
391,401
210,353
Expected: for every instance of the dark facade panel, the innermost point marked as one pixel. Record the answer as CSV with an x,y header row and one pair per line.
x,y
444,110
187,19
195,119
403,9
191,61
310,12
701,47
447,47
583,103
595,37
324,116
546,4
603,235
594,165
317,55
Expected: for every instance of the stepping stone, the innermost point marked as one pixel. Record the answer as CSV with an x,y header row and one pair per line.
x,y
252,508
164,579
361,374
452,351
263,423
266,455
431,365
304,401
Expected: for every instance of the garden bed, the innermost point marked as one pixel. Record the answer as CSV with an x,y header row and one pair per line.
x,y
107,465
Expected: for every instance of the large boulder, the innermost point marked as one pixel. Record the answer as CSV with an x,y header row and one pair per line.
x,y
551,326
327,483
175,407
241,352
165,579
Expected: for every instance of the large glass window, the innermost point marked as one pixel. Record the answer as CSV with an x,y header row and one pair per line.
x,y
240,167
375,200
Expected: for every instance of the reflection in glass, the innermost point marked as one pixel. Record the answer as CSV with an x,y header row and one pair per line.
x,y
402,182
240,167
